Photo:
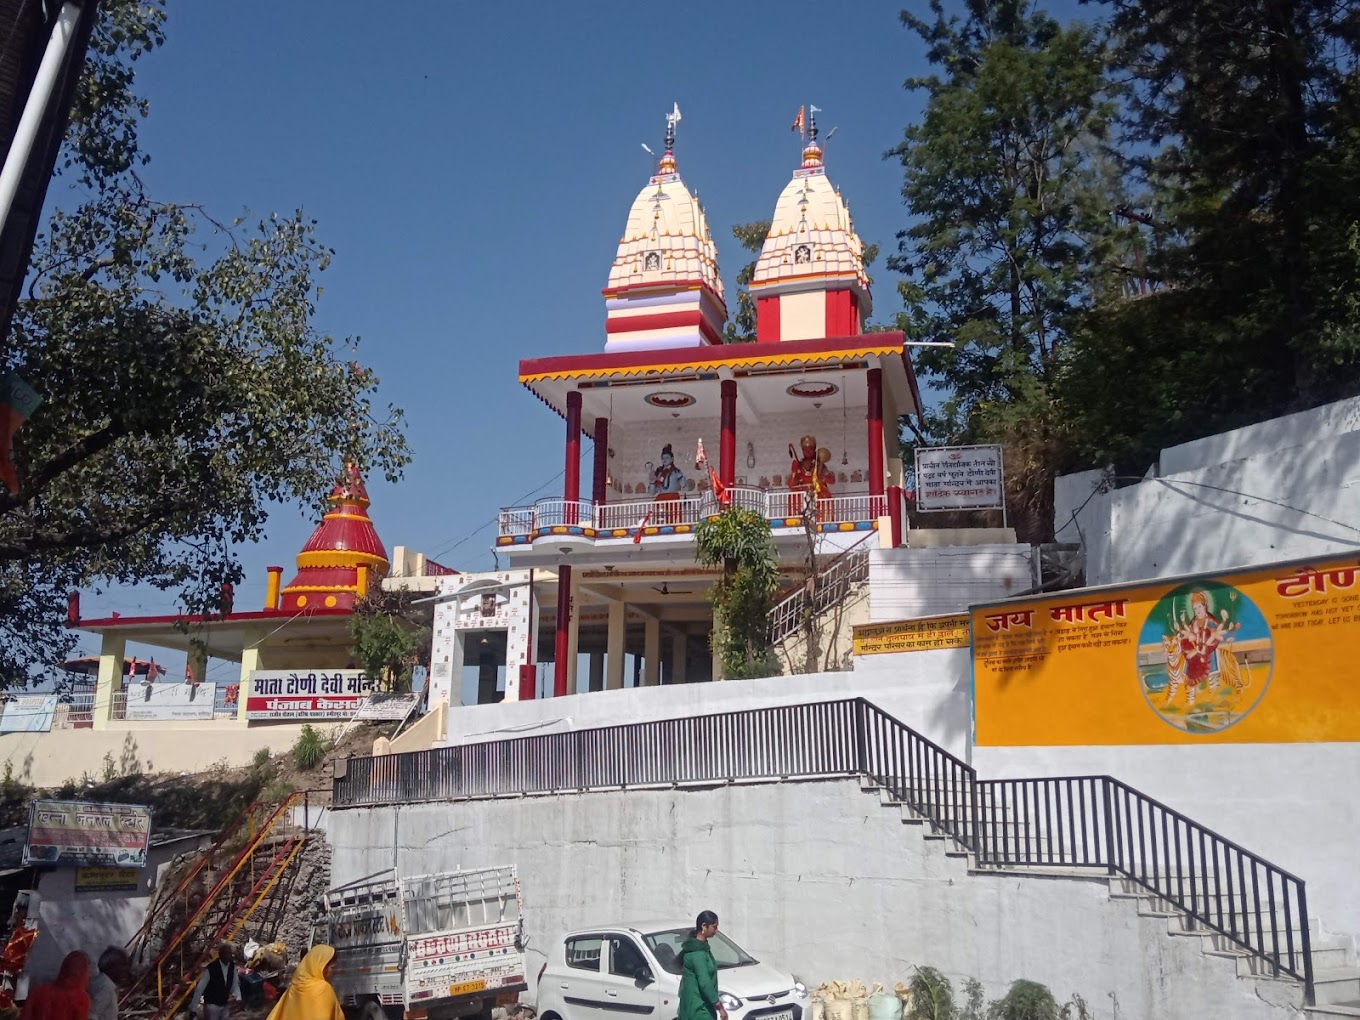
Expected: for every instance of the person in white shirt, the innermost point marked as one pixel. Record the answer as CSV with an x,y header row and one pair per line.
x,y
218,987
115,967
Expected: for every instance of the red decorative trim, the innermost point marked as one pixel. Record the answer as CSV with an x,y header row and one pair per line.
x,y
664,320
110,622
767,319
670,286
668,359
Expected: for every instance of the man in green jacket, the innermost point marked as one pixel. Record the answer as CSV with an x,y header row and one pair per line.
x,y
699,977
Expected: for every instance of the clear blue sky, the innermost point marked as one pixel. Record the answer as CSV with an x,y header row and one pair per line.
x,y
473,166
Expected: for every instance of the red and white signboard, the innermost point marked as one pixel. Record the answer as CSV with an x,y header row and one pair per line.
x,y
309,694
959,478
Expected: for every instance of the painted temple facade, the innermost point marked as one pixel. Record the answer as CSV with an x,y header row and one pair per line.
x,y
682,425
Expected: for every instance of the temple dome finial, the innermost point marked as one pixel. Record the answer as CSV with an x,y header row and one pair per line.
x,y
812,261
344,555
666,260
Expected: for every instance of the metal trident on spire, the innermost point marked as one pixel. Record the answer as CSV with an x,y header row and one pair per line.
x,y
672,119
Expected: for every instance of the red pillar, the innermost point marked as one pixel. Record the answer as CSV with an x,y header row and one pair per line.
x,y
600,491
572,485
874,378
727,445
896,509
563,643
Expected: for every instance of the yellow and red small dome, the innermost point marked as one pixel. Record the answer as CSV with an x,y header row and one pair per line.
x,y
344,556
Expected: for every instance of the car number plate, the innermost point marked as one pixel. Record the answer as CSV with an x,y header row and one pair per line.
x,y
466,987
783,1014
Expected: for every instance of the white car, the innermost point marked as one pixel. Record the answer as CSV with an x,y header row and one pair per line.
x,y
614,971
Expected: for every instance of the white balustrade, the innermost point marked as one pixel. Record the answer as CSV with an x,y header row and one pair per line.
x,y
777,504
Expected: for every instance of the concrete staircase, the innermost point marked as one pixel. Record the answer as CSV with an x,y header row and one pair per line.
x,y
1336,966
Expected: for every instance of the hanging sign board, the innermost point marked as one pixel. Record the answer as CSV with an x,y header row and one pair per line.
x,y
387,707
319,694
29,713
170,701
72,832
959,478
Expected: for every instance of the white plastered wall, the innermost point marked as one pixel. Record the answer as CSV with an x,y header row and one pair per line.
x,y
1285,489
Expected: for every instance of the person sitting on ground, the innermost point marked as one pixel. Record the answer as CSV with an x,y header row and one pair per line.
x,y
218,988
115,967
64,998
310,995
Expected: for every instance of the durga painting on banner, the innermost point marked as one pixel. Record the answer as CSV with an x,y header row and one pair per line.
x,y
1205,656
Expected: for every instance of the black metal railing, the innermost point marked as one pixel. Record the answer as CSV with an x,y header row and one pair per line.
x,y
1062,821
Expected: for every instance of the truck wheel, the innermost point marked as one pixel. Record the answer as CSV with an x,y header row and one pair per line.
x,y
372,1011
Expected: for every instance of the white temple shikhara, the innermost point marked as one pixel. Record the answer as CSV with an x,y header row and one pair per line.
x,y
795,419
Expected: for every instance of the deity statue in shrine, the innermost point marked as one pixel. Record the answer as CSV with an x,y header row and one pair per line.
x,y
808,471
667,479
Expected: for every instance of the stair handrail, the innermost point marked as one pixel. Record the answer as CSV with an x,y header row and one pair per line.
x,y
204,860
785,614
224,882
229,928
1001,822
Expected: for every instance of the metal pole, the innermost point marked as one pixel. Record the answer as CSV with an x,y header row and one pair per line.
x,y
43,84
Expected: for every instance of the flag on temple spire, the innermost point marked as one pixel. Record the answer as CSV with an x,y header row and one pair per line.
x,y
800,122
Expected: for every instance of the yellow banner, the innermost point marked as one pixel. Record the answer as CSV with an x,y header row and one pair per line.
x,y
107,879
1261,656
927,633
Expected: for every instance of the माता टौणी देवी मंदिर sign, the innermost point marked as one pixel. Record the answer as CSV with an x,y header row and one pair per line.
x,y
311,694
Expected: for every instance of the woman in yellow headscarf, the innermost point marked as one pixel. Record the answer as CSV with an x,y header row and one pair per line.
x,y
310,995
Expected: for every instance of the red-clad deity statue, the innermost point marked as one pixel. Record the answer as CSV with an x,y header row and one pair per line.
x,y
808,472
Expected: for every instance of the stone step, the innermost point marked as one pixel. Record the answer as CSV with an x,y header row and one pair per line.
x,y
1336,984
1334,1009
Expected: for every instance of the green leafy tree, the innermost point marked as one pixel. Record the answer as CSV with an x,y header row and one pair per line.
x,y
742,328
186,388
1010,198
388,638
739,542
1243,132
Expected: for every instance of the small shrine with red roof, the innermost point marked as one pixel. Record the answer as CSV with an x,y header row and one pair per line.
x,y
343,557
683,425
303,625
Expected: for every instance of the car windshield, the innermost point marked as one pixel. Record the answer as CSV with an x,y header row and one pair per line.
x,y
665,946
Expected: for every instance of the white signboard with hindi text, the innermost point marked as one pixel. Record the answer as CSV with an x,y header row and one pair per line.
x,y
87,835
170,701
307,694
959,478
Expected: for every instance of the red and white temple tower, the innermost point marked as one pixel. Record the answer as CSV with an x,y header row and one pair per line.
x,y
812,406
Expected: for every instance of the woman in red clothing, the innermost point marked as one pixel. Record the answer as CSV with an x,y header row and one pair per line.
x,y
65,998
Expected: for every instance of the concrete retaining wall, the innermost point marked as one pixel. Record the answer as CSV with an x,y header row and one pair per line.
x,y
817,876
47,760
1289,803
